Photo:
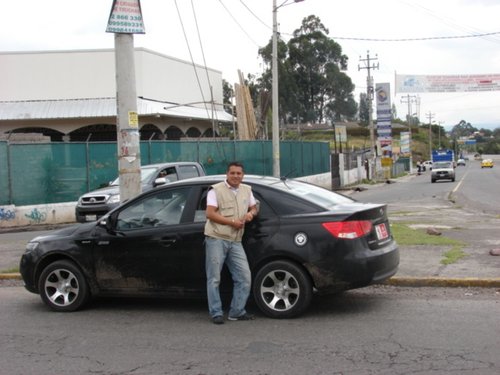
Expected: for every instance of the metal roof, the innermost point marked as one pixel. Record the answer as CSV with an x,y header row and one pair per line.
x,y
101,107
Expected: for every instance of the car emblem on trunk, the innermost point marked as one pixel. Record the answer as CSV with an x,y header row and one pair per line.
x,y
300,239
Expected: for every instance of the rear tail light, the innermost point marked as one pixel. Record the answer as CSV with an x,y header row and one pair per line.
x,y
349,229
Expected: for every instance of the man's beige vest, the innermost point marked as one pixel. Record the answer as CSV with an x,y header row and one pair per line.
x,y
230,205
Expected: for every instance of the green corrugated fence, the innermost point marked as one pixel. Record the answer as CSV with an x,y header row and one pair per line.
x,y
38,173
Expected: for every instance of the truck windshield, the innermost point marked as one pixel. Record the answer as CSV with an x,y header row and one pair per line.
x,y
442,164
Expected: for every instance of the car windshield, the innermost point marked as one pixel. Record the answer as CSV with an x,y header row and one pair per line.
x,y
442,164
145,175
313,194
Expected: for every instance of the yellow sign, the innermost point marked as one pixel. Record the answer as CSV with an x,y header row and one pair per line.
x,y
133,119
386,162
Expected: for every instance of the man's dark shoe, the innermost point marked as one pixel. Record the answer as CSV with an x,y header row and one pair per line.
x,y
218,320
245,316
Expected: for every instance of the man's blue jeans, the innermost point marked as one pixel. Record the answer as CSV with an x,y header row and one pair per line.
x,y
217,252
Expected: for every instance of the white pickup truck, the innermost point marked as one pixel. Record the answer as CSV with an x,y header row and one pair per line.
x,y
443,170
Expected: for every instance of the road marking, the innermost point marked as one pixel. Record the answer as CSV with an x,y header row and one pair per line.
x,y
460,183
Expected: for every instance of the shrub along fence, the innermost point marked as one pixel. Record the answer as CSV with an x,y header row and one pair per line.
x,y
40,173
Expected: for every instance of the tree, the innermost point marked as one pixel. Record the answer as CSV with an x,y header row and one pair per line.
x,y
228,94
462,129
363,109
312,87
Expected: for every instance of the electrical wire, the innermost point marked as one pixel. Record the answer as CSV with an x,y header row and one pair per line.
x,y
191,56
418,39
237,23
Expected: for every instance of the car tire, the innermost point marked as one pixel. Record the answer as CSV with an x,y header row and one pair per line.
x,y
433,180
281,289
63,287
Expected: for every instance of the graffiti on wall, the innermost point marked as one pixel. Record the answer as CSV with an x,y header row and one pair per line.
x,y
7,214
36,216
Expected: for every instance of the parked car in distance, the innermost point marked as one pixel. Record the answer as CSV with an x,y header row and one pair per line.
x,y
487,163
427,165
305,239
443,170
93,205
460,162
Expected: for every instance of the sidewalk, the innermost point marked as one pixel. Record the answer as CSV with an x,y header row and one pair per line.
x,y
419,265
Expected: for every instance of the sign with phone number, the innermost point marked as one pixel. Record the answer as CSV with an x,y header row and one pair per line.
x,y
126,17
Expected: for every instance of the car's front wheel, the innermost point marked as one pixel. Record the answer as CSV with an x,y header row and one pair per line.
x,y
63,287
282,289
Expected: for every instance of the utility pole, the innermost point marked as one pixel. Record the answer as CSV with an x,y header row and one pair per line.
x,y
430,116
369,95
275,89
275,100
127,124
409,99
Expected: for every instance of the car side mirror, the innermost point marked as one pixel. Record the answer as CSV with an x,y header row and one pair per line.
x,y
161,181
107,222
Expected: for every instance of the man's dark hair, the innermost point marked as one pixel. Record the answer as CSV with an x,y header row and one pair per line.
x,y
235,164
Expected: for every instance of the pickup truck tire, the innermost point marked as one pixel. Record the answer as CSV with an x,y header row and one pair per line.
x,y
433,180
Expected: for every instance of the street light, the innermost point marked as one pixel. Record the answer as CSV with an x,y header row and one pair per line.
x,y
274,98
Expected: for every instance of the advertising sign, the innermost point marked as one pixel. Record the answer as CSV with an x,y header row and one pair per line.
x,y
384,117
126,17
407,83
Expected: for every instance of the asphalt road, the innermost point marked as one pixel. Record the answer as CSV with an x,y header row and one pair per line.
x,y
375,330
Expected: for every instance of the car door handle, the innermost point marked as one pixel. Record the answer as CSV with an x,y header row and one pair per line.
x,y
260,235
168,242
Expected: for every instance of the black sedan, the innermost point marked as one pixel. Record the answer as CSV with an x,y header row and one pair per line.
x,y
305,239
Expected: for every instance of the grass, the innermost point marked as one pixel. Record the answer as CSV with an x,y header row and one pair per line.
x,y
11,270
405,235
453,255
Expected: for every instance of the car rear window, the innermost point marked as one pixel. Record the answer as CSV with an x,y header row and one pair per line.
x,y
313,194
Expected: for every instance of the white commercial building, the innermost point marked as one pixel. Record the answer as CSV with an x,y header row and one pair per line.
x,y
71,95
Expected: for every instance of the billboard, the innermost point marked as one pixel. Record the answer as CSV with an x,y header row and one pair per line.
x,y
384,117
410,83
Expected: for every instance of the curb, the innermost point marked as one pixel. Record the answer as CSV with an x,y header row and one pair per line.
x,y
444,282
7,276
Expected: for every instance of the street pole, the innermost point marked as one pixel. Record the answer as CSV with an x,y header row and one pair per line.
x,y
430,116
129,157
274,98
369,95
124,22
275,90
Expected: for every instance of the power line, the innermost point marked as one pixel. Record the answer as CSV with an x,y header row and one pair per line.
x,y
418,39
237,23
191,55
256,17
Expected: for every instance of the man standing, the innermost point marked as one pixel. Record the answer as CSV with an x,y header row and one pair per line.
x,y
230,204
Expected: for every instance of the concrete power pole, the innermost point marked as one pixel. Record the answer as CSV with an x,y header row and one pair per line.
x,y
125,22
369,96
430,116
409,99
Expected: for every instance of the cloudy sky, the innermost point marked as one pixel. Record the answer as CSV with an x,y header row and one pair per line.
x,y
428,37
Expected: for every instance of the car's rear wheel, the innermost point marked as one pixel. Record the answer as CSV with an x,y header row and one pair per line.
x,y
63,287
282,289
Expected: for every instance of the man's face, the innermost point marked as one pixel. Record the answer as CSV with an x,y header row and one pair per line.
x,y
234,175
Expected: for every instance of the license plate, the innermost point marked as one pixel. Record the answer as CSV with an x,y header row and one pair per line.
x,y
381,231
90,217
